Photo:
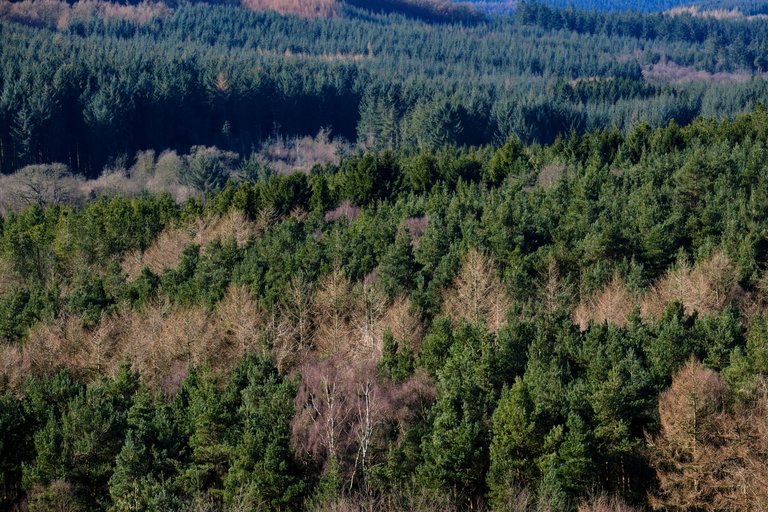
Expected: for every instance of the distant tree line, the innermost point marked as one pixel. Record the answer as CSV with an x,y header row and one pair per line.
x,y
88,91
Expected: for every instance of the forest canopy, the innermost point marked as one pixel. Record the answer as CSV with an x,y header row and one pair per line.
x,y
392,255
86,85
520,326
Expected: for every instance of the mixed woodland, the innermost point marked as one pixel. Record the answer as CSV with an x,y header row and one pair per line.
x,y
382,258
86,84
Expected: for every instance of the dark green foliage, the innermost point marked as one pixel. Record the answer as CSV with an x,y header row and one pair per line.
x,y
538,403
514,442
506,161
437,345
455,451
80,445
397,268
114,86
20,309
89,299
264,473
369,177
207,169
14,445
397,361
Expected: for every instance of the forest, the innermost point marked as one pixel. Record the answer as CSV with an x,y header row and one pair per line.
x,y
88,84
347,256
578,325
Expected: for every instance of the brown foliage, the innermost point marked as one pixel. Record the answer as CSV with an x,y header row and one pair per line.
x,y
707,288
350,320
612,304
241,322
286,155
346,210
754,303
13,367
334,305
161,341
54,346
8,277
404,325
167,249
58,496
164,253
35,12
63,343
416,227
477,294
604,503
305,8
408,499
149,174
426,500
139,14
709,456
551,288
59,14
669,71
688,408
368,327
549,175
293,324
719,14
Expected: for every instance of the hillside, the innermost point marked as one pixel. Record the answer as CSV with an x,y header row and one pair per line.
x,y
508,6
372,80
391,255
378,333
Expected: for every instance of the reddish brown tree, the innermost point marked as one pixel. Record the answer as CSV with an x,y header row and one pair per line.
x,y
477,294
710,454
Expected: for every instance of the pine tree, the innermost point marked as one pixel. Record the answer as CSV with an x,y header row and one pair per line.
x,y
263,473
397,268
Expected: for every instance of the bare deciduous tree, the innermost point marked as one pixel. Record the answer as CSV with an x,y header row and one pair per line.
x,y
324,410
293,323
710,455
552,288
56,496
308,9
100,345
56,345
333,305
367,337
242,322
612,304
478,294
14,367
341,408
688,413
707,288
40,184
404,325
605,503
346,210
8,277
165,252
